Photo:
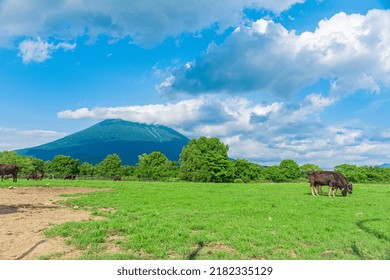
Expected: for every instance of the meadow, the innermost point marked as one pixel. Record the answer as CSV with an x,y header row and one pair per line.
x,y
156,220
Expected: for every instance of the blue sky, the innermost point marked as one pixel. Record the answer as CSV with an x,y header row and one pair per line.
x,y
289,79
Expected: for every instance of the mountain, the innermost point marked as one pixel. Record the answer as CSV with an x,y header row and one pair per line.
x,y
127,139
385,165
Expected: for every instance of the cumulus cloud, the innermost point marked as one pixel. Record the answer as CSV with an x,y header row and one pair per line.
x,y
323,148
201,116
183,112
386,134
264,133
39,50
144,21
12,139
349,51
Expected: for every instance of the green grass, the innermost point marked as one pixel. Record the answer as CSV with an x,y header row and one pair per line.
x,y
147,220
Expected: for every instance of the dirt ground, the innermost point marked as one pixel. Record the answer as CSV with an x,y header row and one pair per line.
x,y
25,212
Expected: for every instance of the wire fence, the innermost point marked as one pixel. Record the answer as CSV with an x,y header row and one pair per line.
x,y
80,177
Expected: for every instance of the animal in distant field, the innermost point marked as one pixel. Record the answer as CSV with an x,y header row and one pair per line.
x,y
9,169
70,177
36,176
117,178
40,175
335,180
6,177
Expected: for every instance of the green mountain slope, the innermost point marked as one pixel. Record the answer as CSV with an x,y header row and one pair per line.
x,y
127,139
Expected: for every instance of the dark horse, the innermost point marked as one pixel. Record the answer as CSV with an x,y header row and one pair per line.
x,y
6,169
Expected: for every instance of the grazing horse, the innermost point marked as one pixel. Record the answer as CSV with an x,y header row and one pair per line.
x,y
7,169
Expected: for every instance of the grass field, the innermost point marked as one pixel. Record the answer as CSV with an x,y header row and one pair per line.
x,y
153,220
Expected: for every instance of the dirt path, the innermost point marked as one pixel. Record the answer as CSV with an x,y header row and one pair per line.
x,y
26,212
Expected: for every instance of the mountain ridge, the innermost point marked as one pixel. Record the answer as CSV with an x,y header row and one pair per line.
x,y
127,139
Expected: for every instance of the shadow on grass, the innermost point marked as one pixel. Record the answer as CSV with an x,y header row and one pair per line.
x,y
195,253
357,252
362,225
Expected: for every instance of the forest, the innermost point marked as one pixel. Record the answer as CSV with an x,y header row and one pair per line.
x,y
202,160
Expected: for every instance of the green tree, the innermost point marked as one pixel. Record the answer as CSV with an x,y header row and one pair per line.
x,y
373,173
308,167
47,167
30,165
9,157
62,165
246,171
274,174
289,169
155,166
206,160
351,172
364,174
110,166
26,165
127,170
87,169
384,174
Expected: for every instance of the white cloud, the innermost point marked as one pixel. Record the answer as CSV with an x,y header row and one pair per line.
x,y
277,6
202,116
39,50
345,136
386,134
170,114
12,139
144,21
350,51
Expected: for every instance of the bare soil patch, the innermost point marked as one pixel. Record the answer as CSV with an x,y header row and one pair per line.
x,y
25,212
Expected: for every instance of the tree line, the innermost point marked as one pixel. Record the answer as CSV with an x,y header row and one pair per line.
x,y
202,160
